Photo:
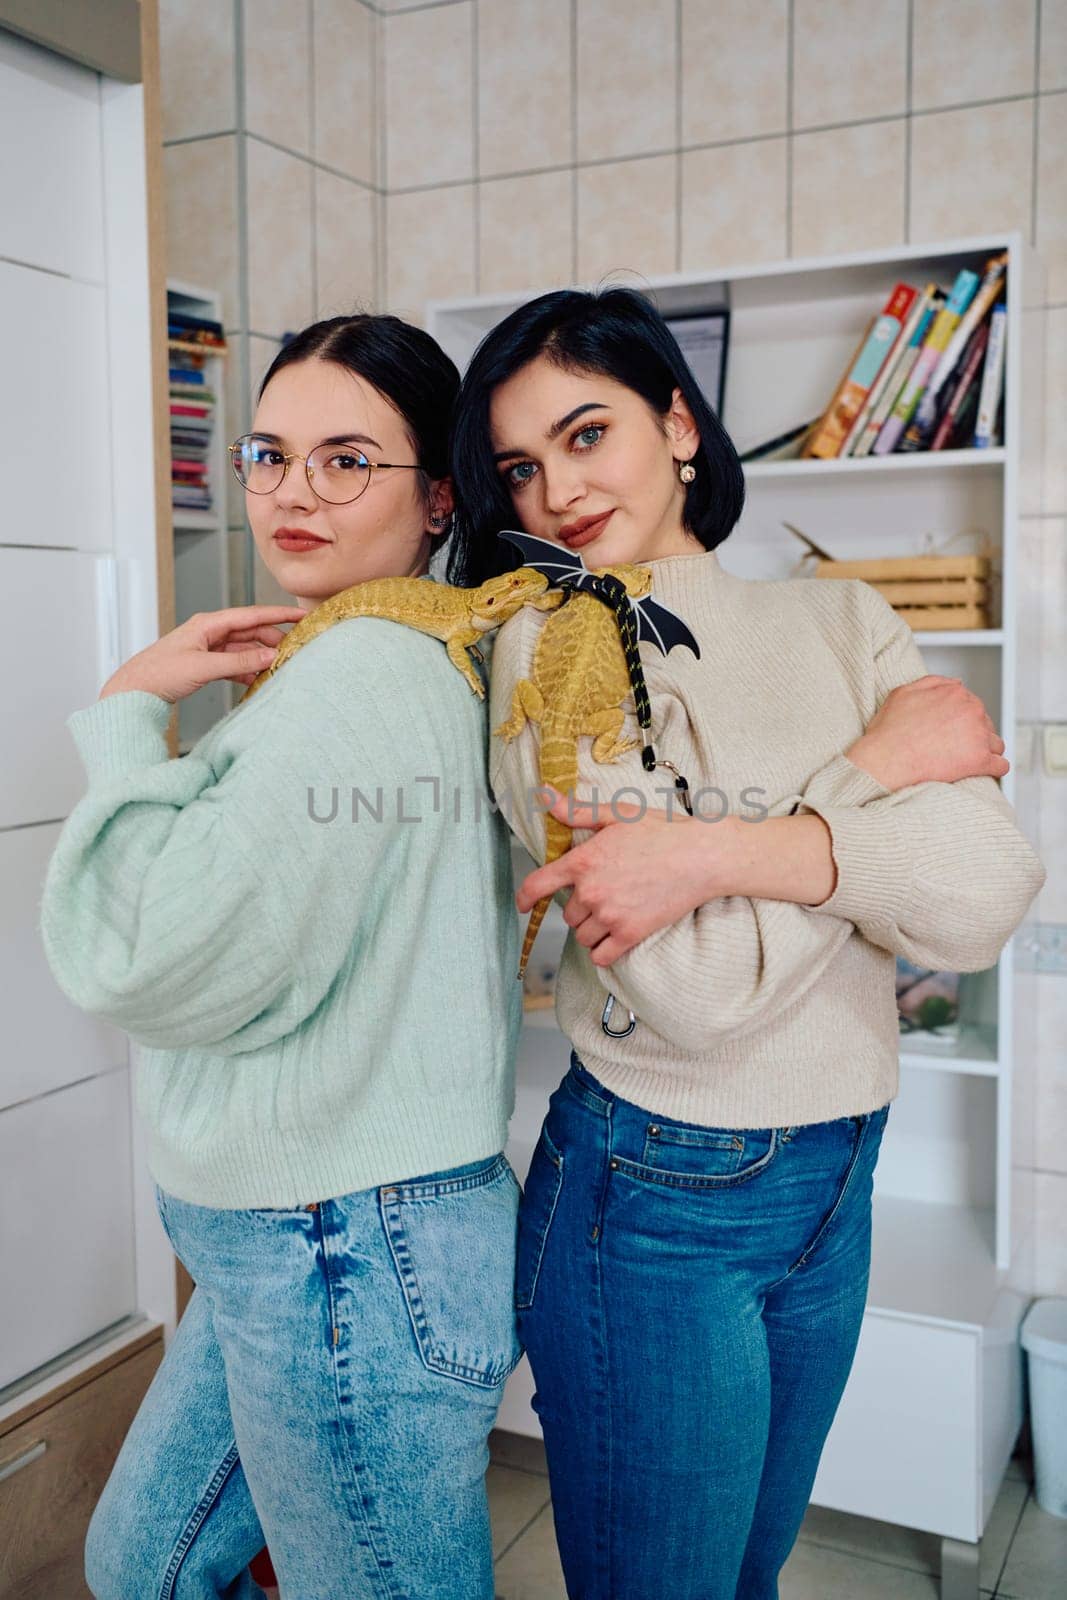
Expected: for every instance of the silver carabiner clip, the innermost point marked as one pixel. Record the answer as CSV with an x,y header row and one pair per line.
x,y
616,1033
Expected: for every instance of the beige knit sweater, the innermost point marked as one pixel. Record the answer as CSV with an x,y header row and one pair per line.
x,y
752,1012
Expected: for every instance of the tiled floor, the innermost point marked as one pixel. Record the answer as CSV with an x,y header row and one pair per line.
x,y
1024,1552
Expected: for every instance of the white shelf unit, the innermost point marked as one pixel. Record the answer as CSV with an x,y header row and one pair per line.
x,y
934,1403
201,542
80,528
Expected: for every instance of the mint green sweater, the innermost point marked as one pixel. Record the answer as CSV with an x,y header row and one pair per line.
x,y
322,1005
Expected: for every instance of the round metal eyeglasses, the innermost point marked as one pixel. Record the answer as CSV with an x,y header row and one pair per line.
x,y
336,472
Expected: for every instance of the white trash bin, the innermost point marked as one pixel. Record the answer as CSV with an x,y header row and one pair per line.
x,y
1044,1338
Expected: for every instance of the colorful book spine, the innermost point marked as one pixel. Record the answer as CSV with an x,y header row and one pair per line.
x,y
992,380
992,286
863,372
945,325
891,366
967,378
899,378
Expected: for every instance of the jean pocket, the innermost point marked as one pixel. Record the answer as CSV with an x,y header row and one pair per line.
x,y
539,1201
681,1157
453,1245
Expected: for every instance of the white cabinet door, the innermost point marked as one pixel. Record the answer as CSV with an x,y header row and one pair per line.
x,y
904,1446
48,1042
50,660
51,181
55,440
66,1224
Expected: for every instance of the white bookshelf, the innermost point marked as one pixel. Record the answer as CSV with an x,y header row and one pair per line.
x,y
201,545
934,1403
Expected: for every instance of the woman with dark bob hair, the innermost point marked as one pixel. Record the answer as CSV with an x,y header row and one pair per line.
x,y
327,1006
694,1236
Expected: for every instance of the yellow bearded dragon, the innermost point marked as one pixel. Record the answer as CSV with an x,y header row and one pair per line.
x,y
459,617
580,677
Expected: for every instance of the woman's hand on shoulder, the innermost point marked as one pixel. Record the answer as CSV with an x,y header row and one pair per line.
x,y
932,730
237,644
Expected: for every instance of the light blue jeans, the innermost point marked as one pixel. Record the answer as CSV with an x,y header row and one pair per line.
x,y
329,1393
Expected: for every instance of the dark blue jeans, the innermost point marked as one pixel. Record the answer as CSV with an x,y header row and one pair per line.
x,y
690,1299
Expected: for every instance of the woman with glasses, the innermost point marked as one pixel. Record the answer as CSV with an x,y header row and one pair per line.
x,y
316,953
694,1234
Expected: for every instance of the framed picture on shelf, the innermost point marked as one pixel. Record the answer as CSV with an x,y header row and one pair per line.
x,y
704,338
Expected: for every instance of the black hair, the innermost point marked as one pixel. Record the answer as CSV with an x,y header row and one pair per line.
x,y
616,332
402,362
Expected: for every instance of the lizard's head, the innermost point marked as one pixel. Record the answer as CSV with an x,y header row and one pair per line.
x,y
638,580
500,598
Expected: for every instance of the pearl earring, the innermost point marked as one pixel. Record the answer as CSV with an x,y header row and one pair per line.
x,y
686,471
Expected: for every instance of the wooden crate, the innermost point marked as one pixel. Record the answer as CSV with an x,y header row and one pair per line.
x,y
929,592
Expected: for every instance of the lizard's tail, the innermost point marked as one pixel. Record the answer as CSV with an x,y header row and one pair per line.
x,y
559,767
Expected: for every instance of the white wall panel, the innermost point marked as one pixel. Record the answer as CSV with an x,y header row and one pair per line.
x,y
66,1225
50,178
48,1042
55,441
49,660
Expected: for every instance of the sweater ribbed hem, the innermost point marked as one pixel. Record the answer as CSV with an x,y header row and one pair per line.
x,y
842,783
290,1168
874,865
684,1093
120,733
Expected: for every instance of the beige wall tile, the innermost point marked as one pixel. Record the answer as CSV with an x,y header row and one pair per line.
x,y
734,205
1052,705
1050,1275
345,246
343,111
1024,1071
430,247
971,171
524,85
248,359
1050,1098
237,540
201,184
428,96
627,218
1051,221
1051,903
734,69
1055,492
849,60
1032,444
279,240
526,232
277,50
849,188
963,52
626,77
1053,66
1029,604
196,67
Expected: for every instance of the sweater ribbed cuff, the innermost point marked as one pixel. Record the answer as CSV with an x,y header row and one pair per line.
x,y
842,783
874,865
120,733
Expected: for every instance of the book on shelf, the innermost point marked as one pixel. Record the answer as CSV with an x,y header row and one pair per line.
x,y
948,420
914,381
783,447
901,373
944,325
992,285
890,366
876,350
992,381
